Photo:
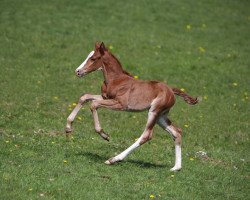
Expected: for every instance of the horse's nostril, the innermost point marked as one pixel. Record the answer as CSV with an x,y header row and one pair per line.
x,y
78,72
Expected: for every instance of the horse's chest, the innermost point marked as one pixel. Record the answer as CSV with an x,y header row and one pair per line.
x,y
111,91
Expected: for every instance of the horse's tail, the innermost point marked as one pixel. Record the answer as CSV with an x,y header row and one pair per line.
x,y
188,99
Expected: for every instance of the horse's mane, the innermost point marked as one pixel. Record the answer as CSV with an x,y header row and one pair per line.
x,y
124,71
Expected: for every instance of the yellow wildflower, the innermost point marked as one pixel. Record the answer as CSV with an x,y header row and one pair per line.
x,y
73,104
182,89
79,118
151,196
202,50
235,84
172,176
205,97
136,77
53,142
191,158
30,189
7,141
65,161
186,125
55,97
111,47
188,27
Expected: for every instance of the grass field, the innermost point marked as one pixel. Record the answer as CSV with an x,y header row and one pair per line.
x,y
201,46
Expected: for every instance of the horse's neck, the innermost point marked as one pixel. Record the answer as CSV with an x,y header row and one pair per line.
x,y
112,69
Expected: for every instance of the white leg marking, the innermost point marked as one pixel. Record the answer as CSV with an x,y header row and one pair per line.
x,y
177,165
162,122
124,154
146,135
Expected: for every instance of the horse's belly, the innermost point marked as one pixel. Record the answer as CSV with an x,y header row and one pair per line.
x,y
139,103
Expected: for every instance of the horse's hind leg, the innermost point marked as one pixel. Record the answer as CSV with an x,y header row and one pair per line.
x,y
84,98
146,136
175,132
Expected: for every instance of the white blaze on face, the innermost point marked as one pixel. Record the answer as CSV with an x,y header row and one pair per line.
x,y
84,62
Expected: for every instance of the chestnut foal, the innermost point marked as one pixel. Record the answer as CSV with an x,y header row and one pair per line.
x,y
121,91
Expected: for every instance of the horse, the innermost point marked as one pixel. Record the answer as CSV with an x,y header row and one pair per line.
x,y
122,92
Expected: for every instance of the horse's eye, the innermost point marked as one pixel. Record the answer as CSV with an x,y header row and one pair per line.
x,y
92,59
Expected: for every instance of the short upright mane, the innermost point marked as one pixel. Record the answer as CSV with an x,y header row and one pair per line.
x,y
125,72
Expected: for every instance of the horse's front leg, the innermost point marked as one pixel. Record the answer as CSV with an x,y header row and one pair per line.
x,y
84,98
107,103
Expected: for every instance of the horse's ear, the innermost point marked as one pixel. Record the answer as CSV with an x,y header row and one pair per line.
x,y
102,48
97,45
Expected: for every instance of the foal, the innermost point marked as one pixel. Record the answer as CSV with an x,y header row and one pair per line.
x,y
121,91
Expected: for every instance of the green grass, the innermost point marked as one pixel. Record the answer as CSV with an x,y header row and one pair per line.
x,y
202,46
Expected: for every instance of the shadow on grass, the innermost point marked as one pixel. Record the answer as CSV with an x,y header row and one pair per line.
x,y
92,156
99,158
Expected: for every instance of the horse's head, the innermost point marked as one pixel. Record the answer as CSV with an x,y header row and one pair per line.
x,y
93,62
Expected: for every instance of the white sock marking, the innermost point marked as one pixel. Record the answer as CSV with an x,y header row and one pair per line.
x,y
178,155
125,153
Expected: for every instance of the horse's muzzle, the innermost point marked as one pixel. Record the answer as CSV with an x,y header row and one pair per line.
x,y
79,73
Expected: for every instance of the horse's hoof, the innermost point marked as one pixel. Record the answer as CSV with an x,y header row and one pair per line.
x,y
107,138
68,130
107,162
104,135
175,169
111,161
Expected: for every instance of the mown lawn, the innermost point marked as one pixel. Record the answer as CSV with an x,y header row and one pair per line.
x,y
201,46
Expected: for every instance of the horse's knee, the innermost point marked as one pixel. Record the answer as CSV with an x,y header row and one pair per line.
x,y
93,106
83,98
